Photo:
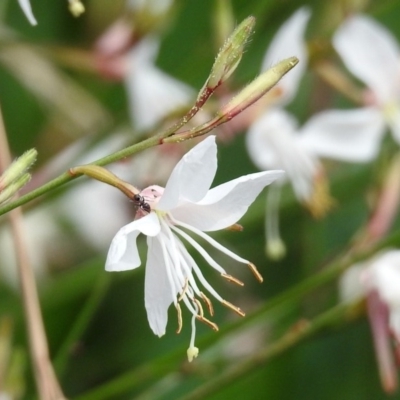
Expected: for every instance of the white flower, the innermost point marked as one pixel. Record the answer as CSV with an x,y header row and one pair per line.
x,y
275,141
379,281
372,54
151,92
186,205
27,9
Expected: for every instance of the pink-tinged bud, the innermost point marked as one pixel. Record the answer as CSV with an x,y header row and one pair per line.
x,y
18,168
257,88
230,54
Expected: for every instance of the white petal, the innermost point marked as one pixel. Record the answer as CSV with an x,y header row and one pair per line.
x,y
26,8
288,42
268,136
348,135
158,292
123,252
192,176
371,53
152,93
225,204
386,273
273,142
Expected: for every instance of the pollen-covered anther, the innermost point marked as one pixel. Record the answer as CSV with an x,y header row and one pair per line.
x,y
199,307
255,272
206,321
184,290
180,323
208,303
233,308
232,279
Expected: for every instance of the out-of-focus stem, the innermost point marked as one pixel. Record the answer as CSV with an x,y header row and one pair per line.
x,y
46,380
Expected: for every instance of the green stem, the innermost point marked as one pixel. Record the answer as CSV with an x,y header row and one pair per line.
x,y
291,338
172,361
67,177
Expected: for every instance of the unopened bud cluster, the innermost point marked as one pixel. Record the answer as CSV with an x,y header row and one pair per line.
x,y
16,175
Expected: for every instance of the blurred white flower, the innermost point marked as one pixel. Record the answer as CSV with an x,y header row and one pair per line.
x,y
372,54
379,281
274,141
152,94
188,203
27,9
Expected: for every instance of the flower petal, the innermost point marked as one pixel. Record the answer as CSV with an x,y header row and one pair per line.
x,y
192,176
157,289
123,254
269,136
273,142
152,93
225,204
27,9
348,135
289,41
371,53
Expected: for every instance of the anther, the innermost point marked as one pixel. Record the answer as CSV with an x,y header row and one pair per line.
x,y
200,308
184,289
235,228
232,279
208,322
233,308
180,323
255,272
208,303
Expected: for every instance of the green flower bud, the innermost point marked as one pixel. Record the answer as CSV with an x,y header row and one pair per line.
x,y
230,54
17,168
257,88
13,187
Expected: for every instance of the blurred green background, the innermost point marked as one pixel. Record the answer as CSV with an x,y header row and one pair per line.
x,y
96,323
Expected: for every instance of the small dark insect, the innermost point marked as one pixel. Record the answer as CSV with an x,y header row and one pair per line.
x,y
141,203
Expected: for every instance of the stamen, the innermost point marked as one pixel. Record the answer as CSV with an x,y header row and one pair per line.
x,y
184,290
235,228
232,279
321,202
208,322
200,308
208,303
255,272
180,323
233,308
210,240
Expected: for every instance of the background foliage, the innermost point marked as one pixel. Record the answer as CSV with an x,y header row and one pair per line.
x,y
96,323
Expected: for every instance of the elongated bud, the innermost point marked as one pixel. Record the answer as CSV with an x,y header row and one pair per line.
x,y
13,188
76,8
104,175
257,88
230,54
17,168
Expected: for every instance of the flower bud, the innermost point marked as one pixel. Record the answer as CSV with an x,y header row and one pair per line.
x,y
13,188
104,175
257,88
230,54
17,168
